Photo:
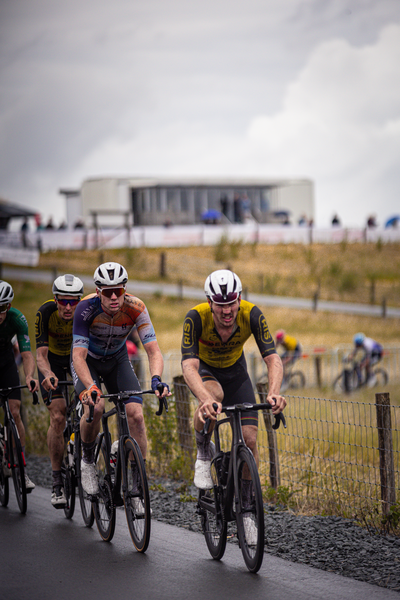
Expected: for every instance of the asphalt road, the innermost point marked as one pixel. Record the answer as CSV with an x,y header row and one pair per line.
x,y
137,287
44,556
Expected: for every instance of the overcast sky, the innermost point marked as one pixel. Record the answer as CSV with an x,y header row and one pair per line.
x,y
267,88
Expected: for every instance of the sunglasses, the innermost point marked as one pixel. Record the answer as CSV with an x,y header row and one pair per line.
x,y
108,292
220,299
65,301
3,308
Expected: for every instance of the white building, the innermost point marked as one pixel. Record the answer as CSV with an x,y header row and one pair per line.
x,y
113,201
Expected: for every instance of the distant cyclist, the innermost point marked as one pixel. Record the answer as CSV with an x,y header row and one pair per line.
x,y
371,355
53,331
291,348
13,323
102,323
214,365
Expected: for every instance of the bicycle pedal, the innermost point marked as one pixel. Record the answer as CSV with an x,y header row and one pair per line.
x,y
58,506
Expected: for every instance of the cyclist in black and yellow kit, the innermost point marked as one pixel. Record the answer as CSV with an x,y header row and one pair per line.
x,y
214,365
291,348
13,323
53,329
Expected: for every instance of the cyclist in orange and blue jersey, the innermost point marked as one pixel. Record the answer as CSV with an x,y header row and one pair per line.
x,y
102,323
13,323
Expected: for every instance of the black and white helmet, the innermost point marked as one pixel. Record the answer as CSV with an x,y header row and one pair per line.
x,y
110,274
67,285
223,287
6,293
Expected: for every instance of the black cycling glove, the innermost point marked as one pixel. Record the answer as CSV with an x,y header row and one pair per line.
x,y
156,384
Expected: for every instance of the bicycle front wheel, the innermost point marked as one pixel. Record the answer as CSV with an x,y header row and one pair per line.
x,y
249,511
381,377
103,503
84,500
17,466
345,382
4,487
69,483
210,508
297,380
135,491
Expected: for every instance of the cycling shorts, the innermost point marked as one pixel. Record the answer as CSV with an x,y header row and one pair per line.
x,y
9,377
60,365
236,385
116,373
375,356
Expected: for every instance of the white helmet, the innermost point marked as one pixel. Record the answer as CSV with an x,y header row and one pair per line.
x,y
68,285
110,273
6,292
223,286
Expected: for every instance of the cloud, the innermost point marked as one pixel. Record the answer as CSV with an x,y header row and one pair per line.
x,y
340,125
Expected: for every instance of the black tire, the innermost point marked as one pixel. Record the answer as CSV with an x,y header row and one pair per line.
x,y
211,510
69,483
17,466
4,487
103,503
249,508
297,380
381,377
85,501
135,492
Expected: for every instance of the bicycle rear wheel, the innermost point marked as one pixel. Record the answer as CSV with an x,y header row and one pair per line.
x,y
103,503
85,502
135,491
210,508
16,459
250,511
69,483
297,380
4,487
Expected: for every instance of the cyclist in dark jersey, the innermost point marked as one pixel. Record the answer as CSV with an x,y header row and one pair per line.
x,y
13,323
102,323
53,331
214,365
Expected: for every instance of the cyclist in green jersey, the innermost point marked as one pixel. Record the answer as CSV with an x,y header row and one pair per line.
x,y
53,332
13,323
214,365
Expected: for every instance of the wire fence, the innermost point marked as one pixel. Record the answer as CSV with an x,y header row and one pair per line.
x,y
337,455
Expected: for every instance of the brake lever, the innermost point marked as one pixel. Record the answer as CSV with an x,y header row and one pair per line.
x,y
279,418
35,397
91,407
162,400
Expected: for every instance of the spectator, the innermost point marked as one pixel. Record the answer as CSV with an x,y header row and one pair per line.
x,y
371,222
336,221
50,225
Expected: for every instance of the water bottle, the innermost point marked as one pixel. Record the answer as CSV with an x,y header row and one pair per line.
x,y
113,454
71,449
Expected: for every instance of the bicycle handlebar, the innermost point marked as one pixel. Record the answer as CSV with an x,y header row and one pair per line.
x,y
8,391
279,418
162,400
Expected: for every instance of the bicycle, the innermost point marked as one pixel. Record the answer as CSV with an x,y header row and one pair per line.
x,y
350,378
12,459
124,482
71,462
291,380
236,495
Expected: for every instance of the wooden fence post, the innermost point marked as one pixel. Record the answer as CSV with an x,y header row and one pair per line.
x,y
274,473
386,459
184,417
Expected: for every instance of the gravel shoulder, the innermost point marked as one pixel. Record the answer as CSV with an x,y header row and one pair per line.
x,y
329,543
